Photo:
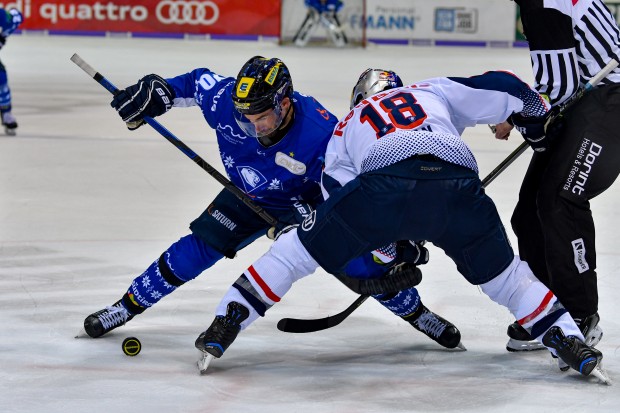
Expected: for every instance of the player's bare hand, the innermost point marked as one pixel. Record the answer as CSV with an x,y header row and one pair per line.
x,y
502,130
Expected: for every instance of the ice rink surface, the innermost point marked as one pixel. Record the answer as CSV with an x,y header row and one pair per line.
x,y
86,206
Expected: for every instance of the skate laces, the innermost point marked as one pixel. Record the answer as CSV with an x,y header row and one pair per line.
x,y
226,327
113,316
235,317
427,322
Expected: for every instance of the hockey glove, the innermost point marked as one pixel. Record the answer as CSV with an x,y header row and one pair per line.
x,y
411,252
151,96
290,220
534,130
409,255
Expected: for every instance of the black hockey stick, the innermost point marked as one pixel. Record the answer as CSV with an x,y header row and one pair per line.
x,y
295,325
99,78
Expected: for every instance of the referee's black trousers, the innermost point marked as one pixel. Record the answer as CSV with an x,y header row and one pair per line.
x,y
552,220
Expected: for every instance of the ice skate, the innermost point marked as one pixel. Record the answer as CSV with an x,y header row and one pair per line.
x,y
436,328
106,320
590,329
10,123
520,339
220,335
575,353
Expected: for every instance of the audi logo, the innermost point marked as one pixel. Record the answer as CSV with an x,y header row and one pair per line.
x,y
191,12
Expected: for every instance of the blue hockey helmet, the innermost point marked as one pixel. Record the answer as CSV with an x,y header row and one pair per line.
x,y
373,81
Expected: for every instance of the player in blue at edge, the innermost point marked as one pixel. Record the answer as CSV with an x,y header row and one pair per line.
x,y
9,22
272,141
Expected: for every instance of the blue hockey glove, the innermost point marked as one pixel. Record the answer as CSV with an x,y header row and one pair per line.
x,y
151,96
534,130
290,220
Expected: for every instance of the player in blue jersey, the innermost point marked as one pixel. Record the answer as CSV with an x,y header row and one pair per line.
x,y
9,22
272,140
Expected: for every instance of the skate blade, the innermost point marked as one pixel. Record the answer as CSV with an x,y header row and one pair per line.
x,y
82,334
10,132
601,375
203,363
515,346
461,346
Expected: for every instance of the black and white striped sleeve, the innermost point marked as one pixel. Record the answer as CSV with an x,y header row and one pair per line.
x,y
569,44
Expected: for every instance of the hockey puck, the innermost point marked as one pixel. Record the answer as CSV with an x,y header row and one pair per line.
x,y
131,346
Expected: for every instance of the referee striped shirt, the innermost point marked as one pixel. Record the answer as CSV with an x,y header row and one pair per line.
x,y
570,41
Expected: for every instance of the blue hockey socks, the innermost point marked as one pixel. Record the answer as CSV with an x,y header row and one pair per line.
x,y
403,304
183,261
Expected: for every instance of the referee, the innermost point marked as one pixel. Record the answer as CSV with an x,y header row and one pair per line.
x,y
570,41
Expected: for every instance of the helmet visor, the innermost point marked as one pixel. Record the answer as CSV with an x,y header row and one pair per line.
x,y
262,124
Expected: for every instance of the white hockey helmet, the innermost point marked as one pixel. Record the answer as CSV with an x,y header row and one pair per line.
x,y
373,81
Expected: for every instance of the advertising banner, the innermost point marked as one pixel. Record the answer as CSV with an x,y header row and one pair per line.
x,y
224,17
460,21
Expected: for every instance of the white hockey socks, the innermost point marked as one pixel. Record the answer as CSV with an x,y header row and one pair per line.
x,y
266,281
535,307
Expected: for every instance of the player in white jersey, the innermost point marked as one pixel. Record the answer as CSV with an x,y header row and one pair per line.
x,y
408,175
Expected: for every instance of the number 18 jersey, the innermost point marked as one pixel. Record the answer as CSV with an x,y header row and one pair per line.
x,y
425,118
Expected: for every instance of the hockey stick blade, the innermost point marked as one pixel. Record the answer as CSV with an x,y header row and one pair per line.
x,y
294,325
